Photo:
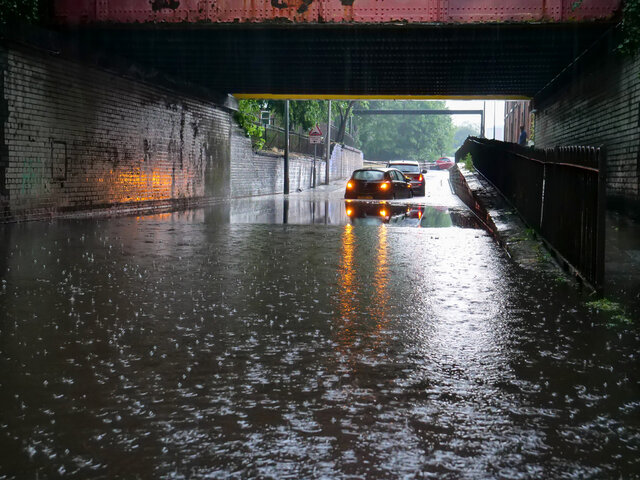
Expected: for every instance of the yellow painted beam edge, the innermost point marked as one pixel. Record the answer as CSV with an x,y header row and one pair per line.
x,y
279,96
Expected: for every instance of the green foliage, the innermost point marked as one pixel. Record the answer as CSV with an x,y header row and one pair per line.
x,y
26,11
302,113
468,162
630,28
613,309
248,116
460,135
417,137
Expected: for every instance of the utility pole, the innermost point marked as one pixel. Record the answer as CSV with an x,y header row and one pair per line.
x,y
484,107
286,147
494,119
327,152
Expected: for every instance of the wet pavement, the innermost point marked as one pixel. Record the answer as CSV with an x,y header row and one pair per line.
x,y
286,338
622,261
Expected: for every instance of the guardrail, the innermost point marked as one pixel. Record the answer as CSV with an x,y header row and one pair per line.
x,y
559,192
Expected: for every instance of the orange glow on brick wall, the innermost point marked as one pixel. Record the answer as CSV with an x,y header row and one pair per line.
x,y
136,185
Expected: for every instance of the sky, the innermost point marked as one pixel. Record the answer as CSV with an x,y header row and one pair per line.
x,y
488,106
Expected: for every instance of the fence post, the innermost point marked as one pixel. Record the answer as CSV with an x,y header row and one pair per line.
x,y
602,205
544,185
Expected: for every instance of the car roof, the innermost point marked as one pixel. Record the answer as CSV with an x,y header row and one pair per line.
x,y
400,162
382,169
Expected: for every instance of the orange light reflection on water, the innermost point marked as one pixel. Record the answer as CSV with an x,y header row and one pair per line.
x,y
354,285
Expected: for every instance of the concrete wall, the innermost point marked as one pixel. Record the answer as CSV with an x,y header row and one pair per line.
x,y
601,106
75,138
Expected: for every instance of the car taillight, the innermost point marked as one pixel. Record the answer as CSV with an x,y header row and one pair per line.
x,y
349,185
383,213
384,186
349,212
420,178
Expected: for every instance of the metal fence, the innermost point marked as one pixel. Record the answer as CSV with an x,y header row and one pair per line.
x,y
559,192
298,142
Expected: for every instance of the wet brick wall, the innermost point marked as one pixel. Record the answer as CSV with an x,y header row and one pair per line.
x,y
76,138
600,107
263,173
344,160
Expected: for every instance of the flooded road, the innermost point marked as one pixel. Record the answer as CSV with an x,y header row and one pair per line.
x,y
288,339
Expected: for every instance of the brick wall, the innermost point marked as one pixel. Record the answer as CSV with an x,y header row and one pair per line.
x,y
601,106
344,160
75,138
263,173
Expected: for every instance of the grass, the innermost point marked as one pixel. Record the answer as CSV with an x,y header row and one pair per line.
x,y
468,162
615,311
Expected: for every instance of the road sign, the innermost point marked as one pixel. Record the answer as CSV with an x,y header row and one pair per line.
x,y
315,135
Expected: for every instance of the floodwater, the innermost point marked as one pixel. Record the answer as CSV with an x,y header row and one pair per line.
x,y
221,343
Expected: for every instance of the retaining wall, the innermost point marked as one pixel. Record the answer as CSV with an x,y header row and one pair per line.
x,y
600,106
262,173
76,138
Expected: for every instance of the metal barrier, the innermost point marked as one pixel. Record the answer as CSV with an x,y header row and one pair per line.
x,y
559,192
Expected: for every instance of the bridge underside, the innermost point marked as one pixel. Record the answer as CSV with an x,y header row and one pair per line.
x,y
481,60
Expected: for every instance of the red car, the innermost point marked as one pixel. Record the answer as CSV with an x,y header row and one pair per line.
x,y
444,163
411,170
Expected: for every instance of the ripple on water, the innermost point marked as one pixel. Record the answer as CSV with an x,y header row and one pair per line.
x,y
301,351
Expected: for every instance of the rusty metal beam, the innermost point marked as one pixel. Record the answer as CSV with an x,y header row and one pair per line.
x,y
331,11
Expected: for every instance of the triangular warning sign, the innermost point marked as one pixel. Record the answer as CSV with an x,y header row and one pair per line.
x,y
315,131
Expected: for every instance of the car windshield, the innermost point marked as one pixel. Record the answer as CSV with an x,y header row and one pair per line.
x,y
368,175
406,167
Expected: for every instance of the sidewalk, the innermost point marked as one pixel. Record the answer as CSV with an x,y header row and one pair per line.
x,y
622,243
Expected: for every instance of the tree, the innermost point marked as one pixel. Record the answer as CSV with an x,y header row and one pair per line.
x,y
27,11
303,114
460,135
630,41
248,117
344,110
417,137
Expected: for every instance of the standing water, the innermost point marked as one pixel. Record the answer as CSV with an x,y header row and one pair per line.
x,y
201,345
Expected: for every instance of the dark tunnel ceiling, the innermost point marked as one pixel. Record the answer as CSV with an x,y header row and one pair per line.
x,y
428,60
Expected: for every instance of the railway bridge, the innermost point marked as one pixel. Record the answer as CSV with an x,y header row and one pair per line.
x,y
128,100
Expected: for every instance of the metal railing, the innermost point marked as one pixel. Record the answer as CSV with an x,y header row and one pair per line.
x,y
299,142
559,192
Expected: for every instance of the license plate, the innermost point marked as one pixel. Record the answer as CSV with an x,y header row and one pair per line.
x,y
365,197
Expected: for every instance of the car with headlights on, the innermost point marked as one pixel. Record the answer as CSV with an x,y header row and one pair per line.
x,y
378,183
411,169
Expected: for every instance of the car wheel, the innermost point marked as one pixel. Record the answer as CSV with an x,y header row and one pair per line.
x,y
410,193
